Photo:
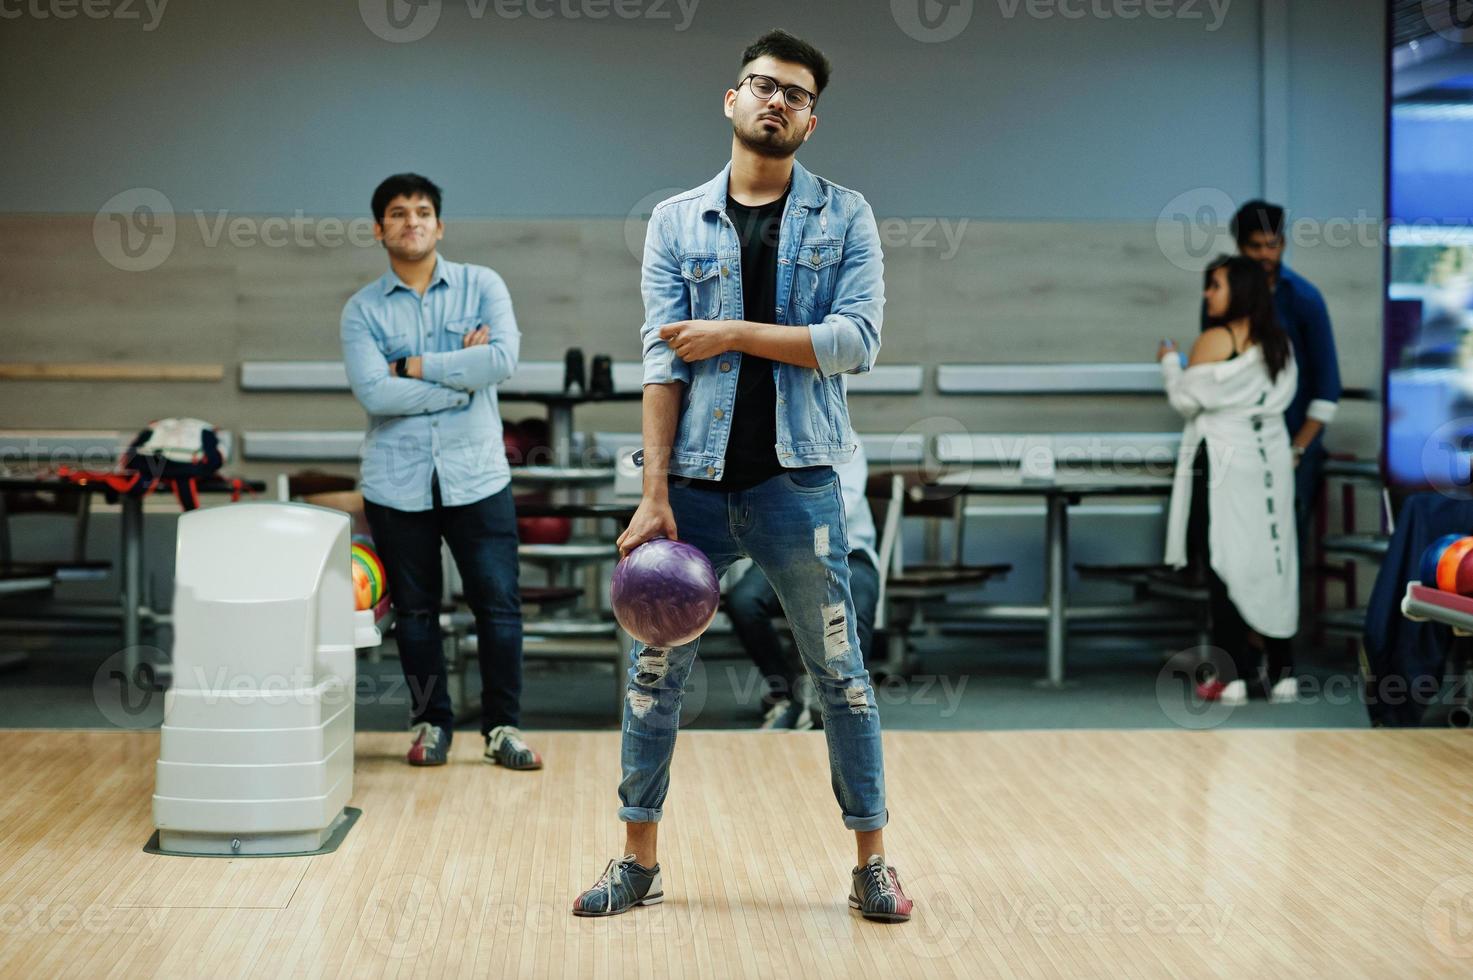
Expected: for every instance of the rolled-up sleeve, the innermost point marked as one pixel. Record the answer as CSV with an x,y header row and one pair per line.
x,y
1321,367
483,365
665,301
848,339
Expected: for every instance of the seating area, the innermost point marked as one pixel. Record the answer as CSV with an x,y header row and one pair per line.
x,y
934,495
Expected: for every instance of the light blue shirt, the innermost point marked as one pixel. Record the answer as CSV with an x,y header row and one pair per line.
x,y
448,423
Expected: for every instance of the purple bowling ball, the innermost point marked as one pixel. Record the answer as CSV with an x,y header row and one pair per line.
x,y
665,593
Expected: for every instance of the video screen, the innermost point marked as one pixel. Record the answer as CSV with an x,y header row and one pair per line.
x,y
1428,354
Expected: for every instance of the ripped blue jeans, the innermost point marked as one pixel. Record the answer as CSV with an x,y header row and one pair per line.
x,y
792,526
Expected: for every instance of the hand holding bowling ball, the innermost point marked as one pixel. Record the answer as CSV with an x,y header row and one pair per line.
x,y
653,519
665,593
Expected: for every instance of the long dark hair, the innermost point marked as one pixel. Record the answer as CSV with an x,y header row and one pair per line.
x,y
1251,296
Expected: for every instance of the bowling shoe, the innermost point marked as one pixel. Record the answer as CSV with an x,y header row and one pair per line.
x,y
876,893
431,745
505,747
623,885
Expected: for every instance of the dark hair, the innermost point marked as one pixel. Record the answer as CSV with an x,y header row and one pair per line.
x,y
407,185
1256,216
783,46
1251,296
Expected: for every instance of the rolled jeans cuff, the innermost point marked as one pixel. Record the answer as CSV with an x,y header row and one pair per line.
x,y
875,822
640,814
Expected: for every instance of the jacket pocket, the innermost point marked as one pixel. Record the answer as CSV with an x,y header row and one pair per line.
x,y
814,273
702,274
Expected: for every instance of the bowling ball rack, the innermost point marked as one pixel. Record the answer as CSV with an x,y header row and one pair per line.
x,y
1422,603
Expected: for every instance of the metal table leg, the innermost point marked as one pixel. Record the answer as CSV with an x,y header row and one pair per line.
x,y
1057,585
132,570
560,433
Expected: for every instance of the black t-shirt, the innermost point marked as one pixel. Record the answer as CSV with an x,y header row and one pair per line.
x,y
751,452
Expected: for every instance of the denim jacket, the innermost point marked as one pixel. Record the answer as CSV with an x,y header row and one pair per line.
x,y
830,278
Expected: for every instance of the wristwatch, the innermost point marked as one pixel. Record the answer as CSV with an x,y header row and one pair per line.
x,y
401,367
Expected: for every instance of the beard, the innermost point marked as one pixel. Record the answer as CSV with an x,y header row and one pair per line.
x,y
409,253
776,143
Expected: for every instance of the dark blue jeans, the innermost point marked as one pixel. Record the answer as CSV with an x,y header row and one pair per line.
x,y
483,540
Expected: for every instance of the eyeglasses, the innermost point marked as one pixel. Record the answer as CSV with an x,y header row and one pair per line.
x,y
765,88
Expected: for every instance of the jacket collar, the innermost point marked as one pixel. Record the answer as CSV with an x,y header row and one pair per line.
x,y
805,192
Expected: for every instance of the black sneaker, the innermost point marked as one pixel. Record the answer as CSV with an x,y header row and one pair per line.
x,y
875,893
431,745
505,747
623,885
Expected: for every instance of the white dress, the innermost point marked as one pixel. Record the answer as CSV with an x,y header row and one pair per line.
x,y
1239,411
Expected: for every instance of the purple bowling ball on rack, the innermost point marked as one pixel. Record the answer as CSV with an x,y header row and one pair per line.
x,y
665,593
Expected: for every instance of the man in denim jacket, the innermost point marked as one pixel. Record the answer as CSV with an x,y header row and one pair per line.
x,y
762,289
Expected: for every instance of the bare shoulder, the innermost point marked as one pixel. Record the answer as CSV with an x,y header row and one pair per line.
x,y
1212,345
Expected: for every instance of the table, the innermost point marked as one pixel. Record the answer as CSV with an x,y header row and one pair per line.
x,y
1058,495
130,535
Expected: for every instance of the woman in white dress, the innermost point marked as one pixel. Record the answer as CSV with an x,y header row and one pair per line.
x,y
1232,504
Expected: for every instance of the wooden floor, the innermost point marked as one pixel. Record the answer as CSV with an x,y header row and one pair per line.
x,y
1227,853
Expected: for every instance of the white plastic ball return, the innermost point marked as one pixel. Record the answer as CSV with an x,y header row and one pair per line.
x,y
256,749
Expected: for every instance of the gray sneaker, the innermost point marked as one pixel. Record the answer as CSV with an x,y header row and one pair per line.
x,y
788,716
505,747
623,885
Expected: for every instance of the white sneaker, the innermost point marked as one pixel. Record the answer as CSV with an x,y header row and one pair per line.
x,y
1235,693
777,717
1285,691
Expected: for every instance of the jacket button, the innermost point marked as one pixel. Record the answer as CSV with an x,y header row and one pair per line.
x,y
710,471
725,270
725,366
719,413
697,270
